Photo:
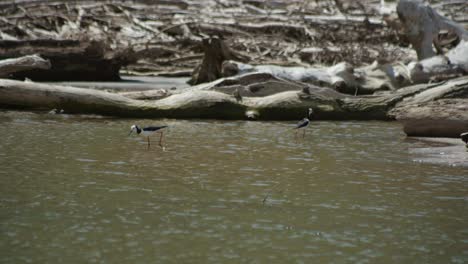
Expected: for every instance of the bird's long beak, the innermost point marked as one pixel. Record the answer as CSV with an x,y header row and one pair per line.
x,y
130,132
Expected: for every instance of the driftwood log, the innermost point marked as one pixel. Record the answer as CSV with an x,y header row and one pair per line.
x,y
25,63
441,118
439,111
36,96
343,77
69,59
203,103
424,28
423,25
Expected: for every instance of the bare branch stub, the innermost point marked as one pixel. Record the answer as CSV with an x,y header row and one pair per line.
x,y
215,53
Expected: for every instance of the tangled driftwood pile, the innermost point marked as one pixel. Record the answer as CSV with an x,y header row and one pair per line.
x,y
167,36
240,52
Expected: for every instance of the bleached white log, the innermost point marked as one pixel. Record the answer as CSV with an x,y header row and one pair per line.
x,y
24,63
423,24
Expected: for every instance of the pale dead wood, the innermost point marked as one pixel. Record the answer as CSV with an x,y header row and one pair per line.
x,y
69,59
423,24
24,63
215,53
147,95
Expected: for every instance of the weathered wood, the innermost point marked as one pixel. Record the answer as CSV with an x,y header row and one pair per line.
x,y
202,103
36,96
272,34
435,69
278,31
441,118
215,53
147,95
342,77
459,56
70,59
441,111
24,63
423,24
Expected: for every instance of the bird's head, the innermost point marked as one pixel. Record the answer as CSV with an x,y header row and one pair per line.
x,y
132,128
310,111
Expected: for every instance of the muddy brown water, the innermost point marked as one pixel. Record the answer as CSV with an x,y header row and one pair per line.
x,y
77,189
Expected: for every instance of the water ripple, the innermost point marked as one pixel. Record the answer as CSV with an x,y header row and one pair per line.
x,y
346,193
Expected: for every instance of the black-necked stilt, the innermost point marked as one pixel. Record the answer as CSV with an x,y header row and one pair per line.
x,y
148,131
304,123
464,138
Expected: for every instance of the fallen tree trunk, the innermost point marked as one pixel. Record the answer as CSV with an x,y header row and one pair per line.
x,y
326,103
441,111
377,77
31,62
190,104
36,96
70,59
342,77
441,118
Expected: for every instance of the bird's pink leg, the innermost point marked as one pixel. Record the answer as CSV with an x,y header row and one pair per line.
x,y
303,133
148,143
160,140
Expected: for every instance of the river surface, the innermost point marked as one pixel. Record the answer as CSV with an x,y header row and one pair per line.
x,y
78,189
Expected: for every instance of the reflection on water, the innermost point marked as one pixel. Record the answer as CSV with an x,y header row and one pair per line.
x,y
78,190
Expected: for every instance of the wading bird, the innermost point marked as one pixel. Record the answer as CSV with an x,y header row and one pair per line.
x,y
464,138
147,132
303,123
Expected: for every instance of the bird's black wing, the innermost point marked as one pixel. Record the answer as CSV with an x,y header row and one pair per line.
x,y
303,123
153,128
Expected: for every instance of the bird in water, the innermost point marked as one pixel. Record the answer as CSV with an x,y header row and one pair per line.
x,y
304,123
147,132
464,138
